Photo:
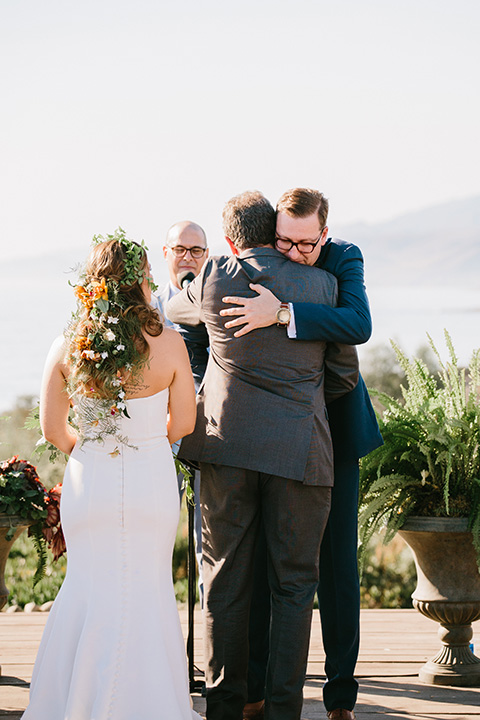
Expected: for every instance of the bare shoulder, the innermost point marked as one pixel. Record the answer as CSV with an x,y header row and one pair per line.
x,y
56,354
172,335
169,343
58,346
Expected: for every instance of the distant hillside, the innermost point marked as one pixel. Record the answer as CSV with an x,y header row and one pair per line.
x,y
436,246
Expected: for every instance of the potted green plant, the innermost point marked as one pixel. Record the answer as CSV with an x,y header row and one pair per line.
x,y
424,482
25,502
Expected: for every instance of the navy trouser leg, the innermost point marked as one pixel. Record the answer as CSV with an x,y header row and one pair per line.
x,y
339,591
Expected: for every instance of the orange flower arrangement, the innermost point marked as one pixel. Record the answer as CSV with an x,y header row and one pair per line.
x,y
97,291
82,343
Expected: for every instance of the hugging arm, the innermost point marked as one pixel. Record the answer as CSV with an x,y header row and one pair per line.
x,y
349,322
341,370
185,309
197,342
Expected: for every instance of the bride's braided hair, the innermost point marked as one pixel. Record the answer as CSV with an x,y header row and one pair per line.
x,y
106,345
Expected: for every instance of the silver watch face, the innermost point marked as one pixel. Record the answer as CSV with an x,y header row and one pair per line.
x,y
283,316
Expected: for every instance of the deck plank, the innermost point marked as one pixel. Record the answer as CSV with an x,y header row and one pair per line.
x,y
394,645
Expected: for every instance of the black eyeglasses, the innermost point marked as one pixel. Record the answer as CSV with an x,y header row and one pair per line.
x,y
180,251
303,246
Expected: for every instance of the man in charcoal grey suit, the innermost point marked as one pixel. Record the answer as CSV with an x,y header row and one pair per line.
x,y
264,447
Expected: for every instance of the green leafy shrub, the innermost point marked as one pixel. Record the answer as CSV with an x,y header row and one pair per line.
x,y
20,571
430,462
389,576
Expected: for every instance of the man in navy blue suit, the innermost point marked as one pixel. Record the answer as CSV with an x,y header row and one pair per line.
x,y
301,234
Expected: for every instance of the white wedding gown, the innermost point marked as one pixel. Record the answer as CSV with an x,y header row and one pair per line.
x,y
112,648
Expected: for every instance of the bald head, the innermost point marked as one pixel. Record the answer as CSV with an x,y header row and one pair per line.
x,y
185,228
185,249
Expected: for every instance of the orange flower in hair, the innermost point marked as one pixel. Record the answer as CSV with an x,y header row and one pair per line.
x,y
99,289
82,343
84,296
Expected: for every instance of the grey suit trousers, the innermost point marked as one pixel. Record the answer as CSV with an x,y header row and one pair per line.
x,y
294,516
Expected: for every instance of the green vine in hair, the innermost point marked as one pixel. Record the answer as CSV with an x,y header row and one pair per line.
x,y
134,270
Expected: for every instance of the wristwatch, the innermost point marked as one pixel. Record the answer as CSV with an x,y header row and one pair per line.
x,y
283,314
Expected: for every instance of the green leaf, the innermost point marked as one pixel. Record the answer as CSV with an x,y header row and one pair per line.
x,y
102,305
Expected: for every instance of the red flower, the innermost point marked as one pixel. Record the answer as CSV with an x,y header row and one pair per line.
x,y
53,513
48,533
24,476
52,532
57,544
56,492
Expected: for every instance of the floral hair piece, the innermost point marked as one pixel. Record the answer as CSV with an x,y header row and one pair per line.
x,y
135,256
105,341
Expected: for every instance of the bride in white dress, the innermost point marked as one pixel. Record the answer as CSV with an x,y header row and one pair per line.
x,y
112,648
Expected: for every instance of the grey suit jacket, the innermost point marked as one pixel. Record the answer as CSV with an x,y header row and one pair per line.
x,y
261,405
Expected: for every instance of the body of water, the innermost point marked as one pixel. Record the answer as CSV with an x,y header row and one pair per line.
x,y
31,320
407,314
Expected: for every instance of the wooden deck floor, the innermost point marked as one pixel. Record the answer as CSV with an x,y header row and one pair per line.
x,y
395,643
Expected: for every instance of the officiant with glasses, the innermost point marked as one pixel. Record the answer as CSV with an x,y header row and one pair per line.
x,y
185,251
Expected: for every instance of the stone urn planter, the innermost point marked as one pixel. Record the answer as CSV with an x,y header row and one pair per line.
x,y
448,591
7,522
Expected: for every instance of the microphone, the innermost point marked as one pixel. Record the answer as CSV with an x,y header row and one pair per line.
x,y
185,278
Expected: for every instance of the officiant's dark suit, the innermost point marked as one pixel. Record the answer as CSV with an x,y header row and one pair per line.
x,y
263,441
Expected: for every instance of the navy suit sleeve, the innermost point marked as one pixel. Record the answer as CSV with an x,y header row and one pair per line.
x,y
350,322
197,342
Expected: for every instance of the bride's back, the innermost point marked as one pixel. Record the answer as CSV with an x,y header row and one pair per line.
x,y
116,347
164,356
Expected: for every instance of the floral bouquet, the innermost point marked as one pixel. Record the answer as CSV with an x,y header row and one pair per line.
x,y
23,495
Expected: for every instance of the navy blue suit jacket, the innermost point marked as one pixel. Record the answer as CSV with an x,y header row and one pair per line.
x,y
353,423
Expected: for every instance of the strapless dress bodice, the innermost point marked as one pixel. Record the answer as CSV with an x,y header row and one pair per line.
x,y
145,425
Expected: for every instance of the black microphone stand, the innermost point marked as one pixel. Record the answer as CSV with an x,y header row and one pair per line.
x,y
196,686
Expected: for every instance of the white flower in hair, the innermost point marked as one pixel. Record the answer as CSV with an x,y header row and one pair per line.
x,y
112,320
120,347
109,335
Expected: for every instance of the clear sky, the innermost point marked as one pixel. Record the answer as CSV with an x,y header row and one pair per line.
x,y
141,113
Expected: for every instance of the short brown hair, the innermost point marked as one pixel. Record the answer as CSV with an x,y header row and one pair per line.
x,y
302,202
249,220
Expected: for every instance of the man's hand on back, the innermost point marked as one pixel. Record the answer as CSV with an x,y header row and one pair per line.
x,y
252,313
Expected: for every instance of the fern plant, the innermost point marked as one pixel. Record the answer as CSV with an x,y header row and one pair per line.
x,y
429,464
